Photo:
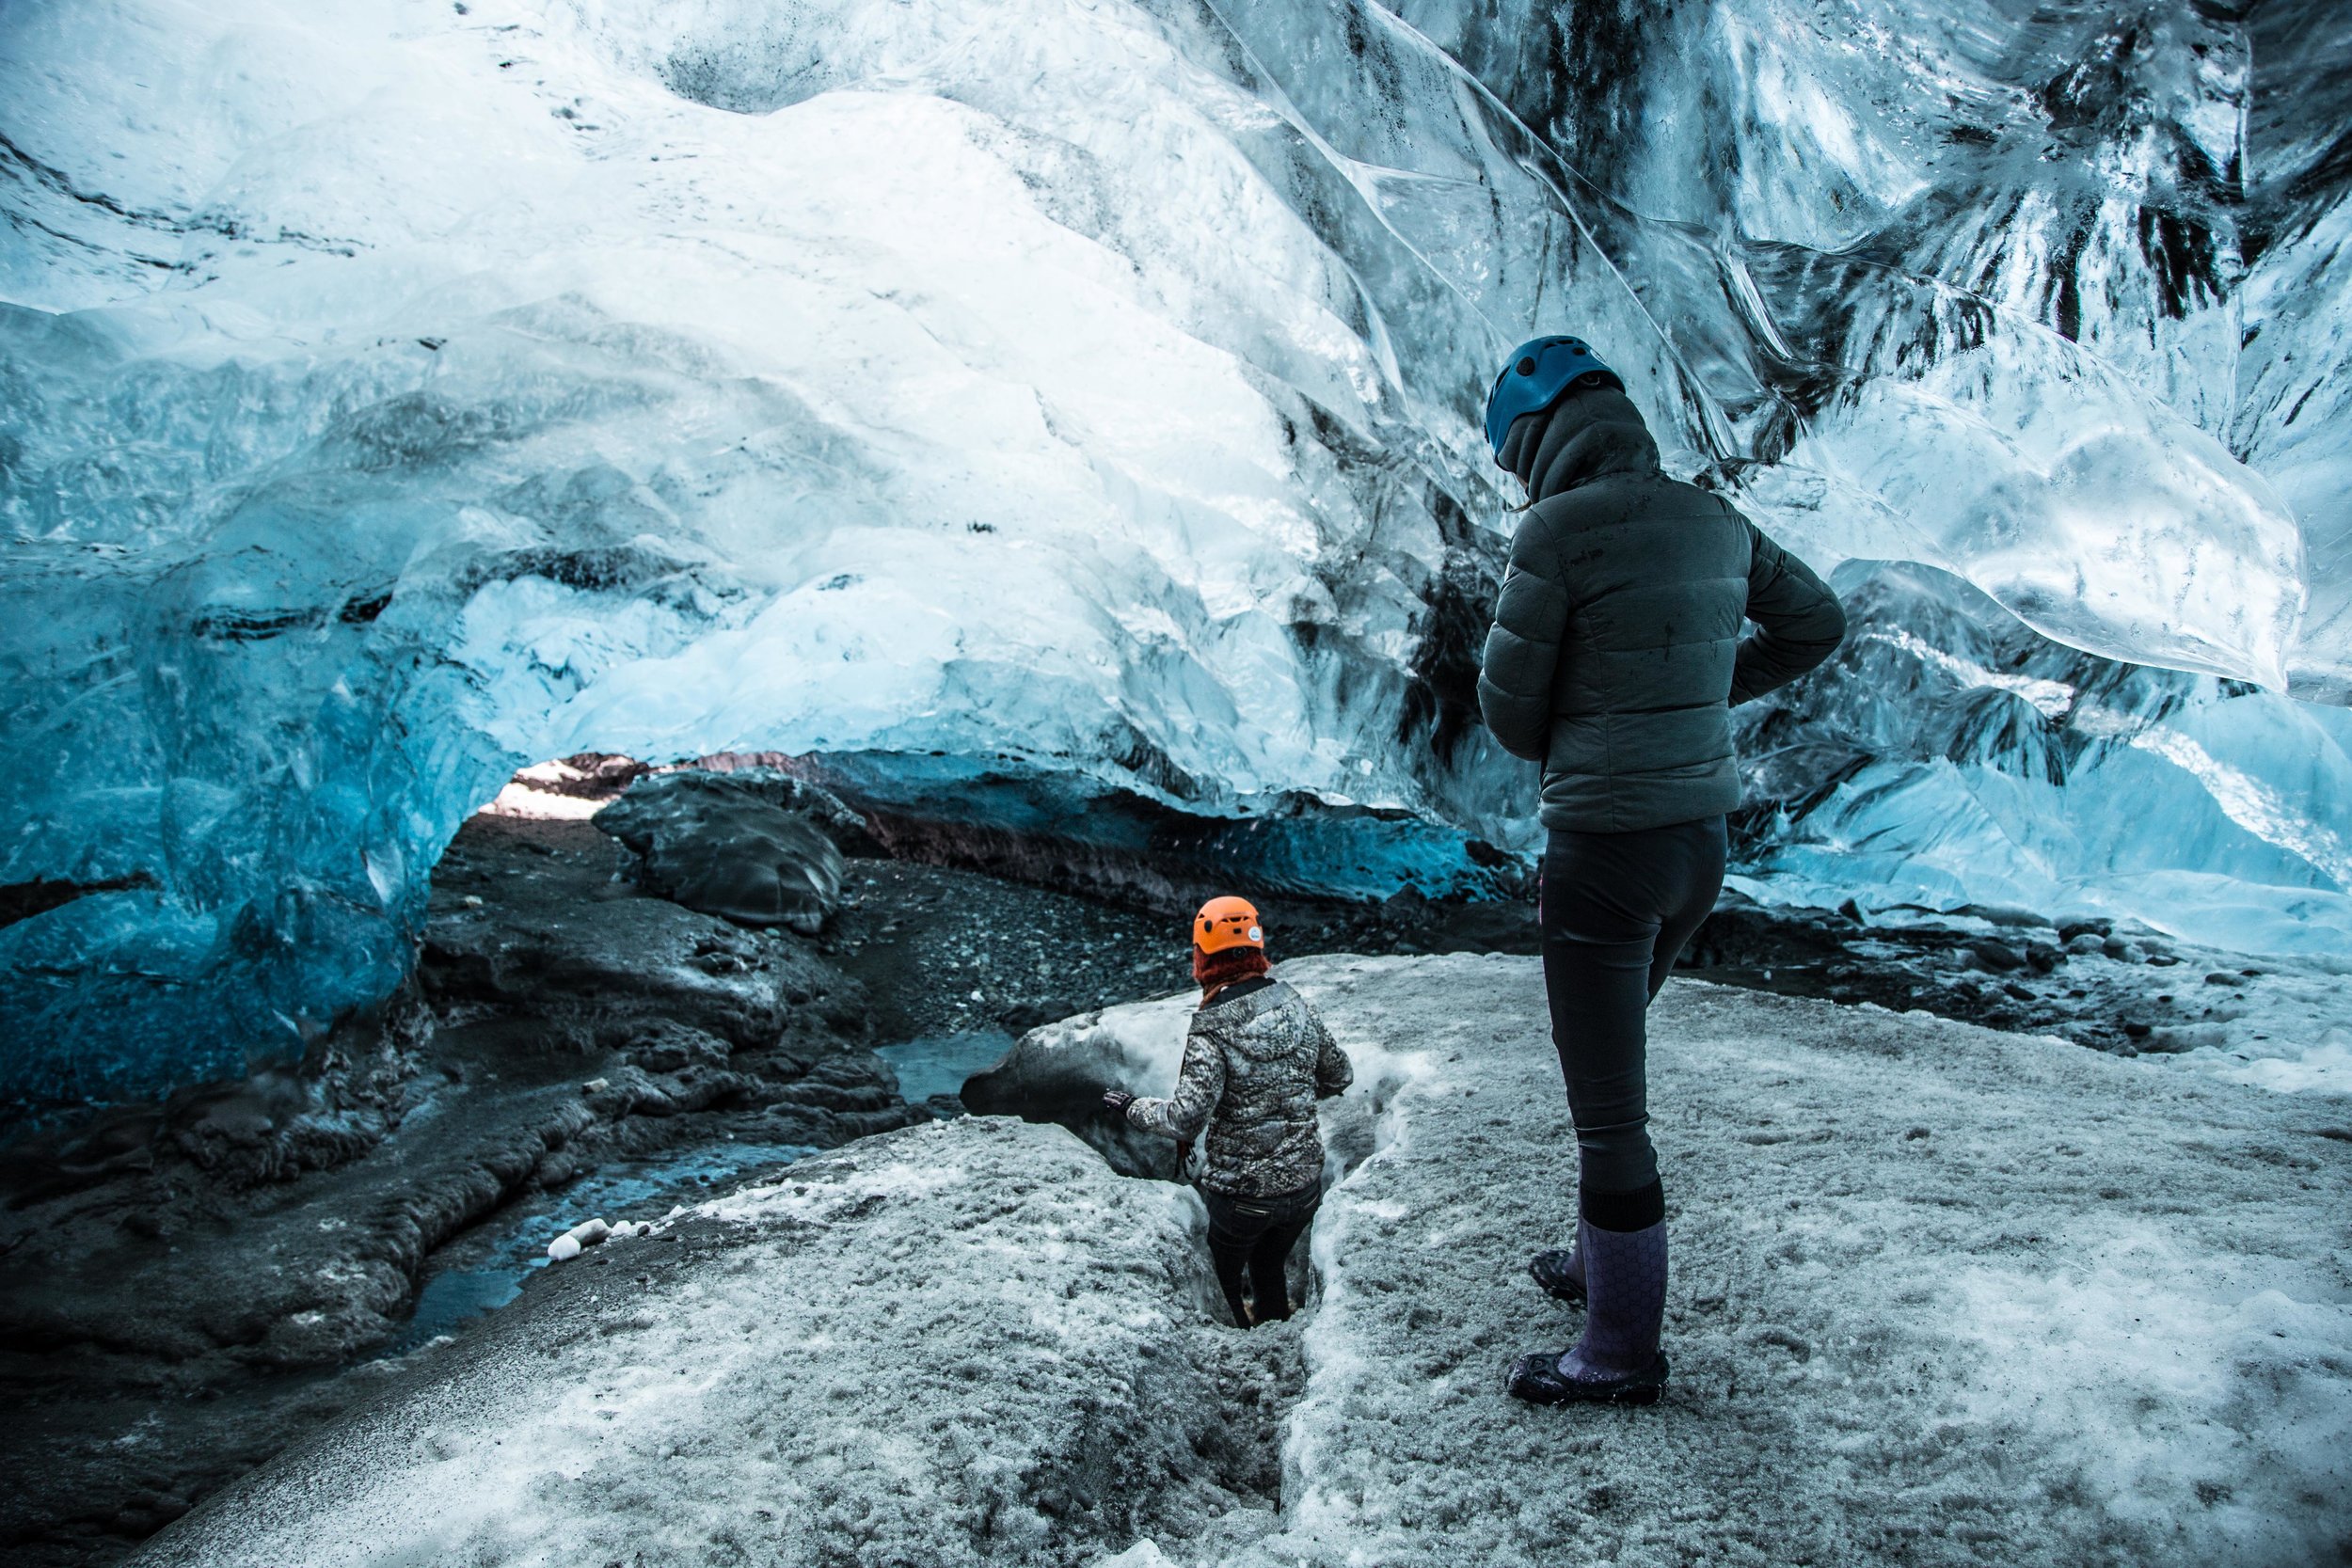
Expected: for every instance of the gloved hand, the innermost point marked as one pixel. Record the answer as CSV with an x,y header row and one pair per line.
x,y
1116,1101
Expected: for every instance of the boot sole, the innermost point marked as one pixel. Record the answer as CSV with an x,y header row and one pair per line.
x,y
1537,1386
1561,1292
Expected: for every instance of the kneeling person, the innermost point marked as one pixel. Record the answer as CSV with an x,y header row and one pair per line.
x,y
1257,1060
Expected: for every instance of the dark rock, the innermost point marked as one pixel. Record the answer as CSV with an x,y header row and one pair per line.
x,y
667,1045
596,776
2006,914
2044,957
750,846
853,1081
2223,977
2137,1030
1058,1075
2068,930
1998,957
1408,906
611,964
334,1105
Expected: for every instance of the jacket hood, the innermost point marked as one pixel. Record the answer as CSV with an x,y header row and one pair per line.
x,y
1585,434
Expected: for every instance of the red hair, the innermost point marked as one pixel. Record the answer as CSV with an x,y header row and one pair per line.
x,y
1223,967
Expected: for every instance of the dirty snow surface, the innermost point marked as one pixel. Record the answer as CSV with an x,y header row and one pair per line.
x,y
1940,1295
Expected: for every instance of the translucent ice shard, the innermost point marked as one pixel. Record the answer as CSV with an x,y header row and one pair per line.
x,y
1947,756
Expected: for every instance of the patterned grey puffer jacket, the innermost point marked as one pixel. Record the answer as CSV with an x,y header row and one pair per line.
x,y
1257,1061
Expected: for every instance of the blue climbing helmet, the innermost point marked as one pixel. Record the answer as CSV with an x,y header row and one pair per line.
x,y
1539,371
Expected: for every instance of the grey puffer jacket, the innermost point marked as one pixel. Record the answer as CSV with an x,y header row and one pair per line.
x,y
1257,1060
1616,646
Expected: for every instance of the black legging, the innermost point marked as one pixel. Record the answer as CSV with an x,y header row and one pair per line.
x,y
1617,908
1256,1234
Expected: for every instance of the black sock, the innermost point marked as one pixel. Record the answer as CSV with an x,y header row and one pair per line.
x,y
1635,1211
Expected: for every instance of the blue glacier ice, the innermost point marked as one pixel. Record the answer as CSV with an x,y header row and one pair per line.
x,y
1949,756
393,392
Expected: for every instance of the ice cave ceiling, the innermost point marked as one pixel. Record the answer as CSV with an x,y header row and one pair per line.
x,y
1085,391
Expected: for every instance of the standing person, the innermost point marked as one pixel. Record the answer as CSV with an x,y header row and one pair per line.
x,y
1257,1060
1616,655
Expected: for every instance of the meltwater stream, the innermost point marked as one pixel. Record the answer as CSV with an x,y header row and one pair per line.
x,y
486,1269
931,1065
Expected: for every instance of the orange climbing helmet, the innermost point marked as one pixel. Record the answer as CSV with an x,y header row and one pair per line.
x,y
1224,923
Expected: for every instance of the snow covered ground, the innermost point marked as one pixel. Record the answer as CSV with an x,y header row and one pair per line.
x,y
1942,1296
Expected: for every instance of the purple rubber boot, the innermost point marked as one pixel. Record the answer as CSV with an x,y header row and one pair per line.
x,y
1561,1272
1616,1361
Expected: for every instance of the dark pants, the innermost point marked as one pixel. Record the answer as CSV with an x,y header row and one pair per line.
x,y
1254,1235
1617,908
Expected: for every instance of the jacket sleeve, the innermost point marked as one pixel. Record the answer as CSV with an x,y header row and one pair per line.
x,y
1333,1070
1798,621
1523,647
1199,1082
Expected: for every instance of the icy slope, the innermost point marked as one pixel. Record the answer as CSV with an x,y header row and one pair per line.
x,y
965,1343
394,394
1941,1292
1963,1295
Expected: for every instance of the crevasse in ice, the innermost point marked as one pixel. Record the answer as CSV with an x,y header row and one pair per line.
x,y
397,393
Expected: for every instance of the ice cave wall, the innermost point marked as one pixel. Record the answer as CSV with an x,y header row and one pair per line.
x,y
396,392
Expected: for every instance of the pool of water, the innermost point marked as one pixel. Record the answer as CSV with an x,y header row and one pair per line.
x,y
939,1064
489,1264
485,1269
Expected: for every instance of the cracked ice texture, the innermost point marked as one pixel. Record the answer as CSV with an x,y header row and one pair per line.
x,y
395,395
